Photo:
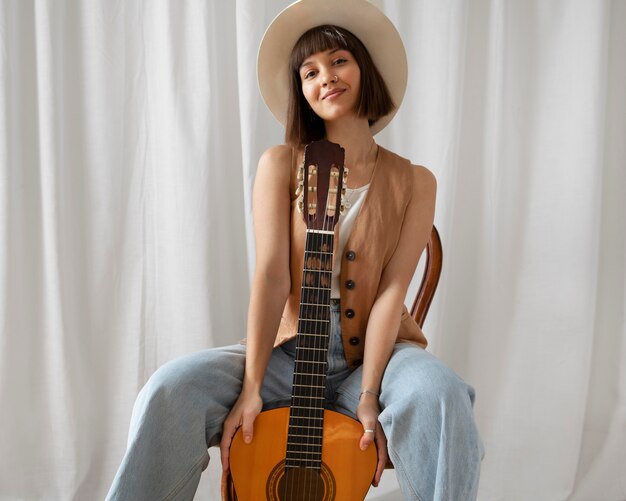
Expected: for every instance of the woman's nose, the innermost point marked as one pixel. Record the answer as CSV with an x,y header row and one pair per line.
x,y
328,77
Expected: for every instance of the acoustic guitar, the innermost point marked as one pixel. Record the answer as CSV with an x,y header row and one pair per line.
x,y
305,452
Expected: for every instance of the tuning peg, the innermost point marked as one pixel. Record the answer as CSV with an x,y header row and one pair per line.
x,y
300,206
300,188
312,206
342,208
300,176
312,188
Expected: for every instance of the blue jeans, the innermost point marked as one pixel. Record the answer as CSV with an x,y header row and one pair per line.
x,y
426,415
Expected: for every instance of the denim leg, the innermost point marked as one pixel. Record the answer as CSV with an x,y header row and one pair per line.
x,y
428,420
179,414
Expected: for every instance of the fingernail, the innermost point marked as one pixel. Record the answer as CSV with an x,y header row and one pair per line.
x,y
363,447
247,439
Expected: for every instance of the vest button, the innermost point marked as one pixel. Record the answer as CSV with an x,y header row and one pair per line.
x,y
354,341
350,284
350,255
350,314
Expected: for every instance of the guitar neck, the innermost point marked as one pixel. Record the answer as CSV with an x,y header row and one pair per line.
x,y
306,419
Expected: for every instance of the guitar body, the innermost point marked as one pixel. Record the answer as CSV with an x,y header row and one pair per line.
x,y
258,468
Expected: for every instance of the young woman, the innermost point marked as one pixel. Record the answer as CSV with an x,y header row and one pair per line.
x,y
342,84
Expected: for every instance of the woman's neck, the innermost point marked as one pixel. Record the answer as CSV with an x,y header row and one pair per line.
x,y
355,137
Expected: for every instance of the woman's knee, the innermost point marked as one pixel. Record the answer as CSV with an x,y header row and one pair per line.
x,y
416,381
191,376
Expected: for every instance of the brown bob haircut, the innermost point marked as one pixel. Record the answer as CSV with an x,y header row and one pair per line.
x,y
303,125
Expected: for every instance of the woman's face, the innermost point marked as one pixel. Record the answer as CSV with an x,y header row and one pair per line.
x,y
331,83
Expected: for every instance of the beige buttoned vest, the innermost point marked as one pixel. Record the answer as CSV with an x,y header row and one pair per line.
x,y
369,248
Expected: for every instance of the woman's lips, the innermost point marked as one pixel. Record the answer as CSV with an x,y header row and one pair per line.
x,y
333,93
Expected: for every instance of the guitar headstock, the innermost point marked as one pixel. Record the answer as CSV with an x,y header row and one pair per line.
x,y
321,184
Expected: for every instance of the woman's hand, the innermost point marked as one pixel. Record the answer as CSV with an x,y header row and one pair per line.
x,y
367,412
244,412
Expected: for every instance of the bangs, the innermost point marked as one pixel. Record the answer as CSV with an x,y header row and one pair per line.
x,y
318,39
374,101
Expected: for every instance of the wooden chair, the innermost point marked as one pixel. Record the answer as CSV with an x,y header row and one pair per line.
x,y
419,310
430,278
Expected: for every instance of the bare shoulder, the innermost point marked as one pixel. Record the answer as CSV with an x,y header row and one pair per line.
x,y
425,183
274,167
279,157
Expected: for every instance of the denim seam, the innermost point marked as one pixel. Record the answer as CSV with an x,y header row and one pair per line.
x,y
397,464
176,489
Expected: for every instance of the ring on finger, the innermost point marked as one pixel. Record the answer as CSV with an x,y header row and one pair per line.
x,y
369,431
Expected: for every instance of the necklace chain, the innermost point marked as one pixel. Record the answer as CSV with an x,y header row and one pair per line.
x,y
371,160
348,199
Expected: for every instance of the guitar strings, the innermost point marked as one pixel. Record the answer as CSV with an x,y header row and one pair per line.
x,y
327,267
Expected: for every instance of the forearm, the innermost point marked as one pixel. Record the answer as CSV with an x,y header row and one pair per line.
x,y
267,300
382,329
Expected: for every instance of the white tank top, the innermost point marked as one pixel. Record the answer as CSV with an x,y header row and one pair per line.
x,y
353,201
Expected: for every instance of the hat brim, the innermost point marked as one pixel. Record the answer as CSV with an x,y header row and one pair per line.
x,y
360,17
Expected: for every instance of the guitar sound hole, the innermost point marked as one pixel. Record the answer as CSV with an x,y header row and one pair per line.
x,y
301,484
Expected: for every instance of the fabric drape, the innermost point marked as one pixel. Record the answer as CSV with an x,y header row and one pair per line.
x,y
129,135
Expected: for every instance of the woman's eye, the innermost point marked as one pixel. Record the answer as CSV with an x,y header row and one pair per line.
x,y
340,60
309,74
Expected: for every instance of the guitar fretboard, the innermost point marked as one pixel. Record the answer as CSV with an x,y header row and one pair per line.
x,y
306,419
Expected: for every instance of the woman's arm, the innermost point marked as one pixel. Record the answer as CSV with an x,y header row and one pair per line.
x,y
270,287
384,319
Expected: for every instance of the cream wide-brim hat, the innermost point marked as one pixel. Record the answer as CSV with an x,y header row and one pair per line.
x,y
360,17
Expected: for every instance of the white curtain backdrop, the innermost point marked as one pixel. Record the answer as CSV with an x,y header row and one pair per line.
x,y
129,135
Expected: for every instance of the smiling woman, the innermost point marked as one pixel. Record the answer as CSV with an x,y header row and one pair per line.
x,y
328,298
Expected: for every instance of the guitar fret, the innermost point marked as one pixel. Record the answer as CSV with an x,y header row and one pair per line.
x,y
307,417
293,465
307,397
311,385
307,407
311,453
315,320
303,444
316,288
307,348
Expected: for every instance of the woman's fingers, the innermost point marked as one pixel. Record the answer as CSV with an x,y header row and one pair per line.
x,y
247,426
243,414
228,432
383,456
376,434
369,432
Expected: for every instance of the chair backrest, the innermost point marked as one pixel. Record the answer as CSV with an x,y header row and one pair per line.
x,y
430,278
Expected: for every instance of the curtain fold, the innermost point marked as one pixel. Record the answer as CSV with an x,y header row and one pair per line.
x,y
129,136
